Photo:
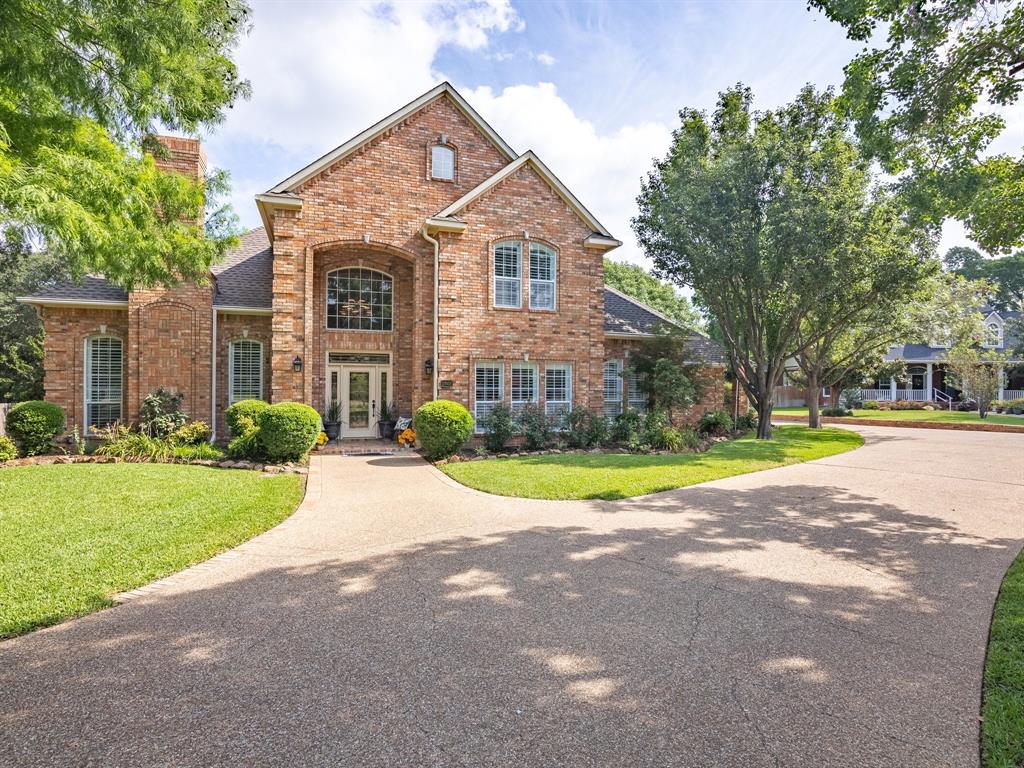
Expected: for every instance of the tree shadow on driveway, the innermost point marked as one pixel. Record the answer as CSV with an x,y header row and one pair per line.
x,y
787,625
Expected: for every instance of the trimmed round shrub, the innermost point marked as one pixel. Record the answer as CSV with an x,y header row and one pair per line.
x,y
287,431
33,425
244,416
7,449
442,427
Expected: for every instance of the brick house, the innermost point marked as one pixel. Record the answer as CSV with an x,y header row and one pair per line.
x,y
423,258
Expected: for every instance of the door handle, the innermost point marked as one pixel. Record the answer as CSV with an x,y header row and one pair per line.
x,y
373,404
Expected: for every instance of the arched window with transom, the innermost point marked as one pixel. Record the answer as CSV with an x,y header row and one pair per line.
x,y
359,299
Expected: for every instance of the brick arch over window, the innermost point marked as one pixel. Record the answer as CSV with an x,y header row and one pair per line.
x,y
361,246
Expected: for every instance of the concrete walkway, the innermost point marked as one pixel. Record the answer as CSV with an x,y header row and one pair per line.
x,y
832,613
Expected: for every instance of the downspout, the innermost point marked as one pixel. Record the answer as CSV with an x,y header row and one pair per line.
x,y
213,378
437,288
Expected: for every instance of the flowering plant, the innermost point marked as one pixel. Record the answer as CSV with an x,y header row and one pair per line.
x,y
408,437
321,439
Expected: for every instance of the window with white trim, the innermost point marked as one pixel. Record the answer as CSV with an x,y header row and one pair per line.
x,y
542,276
245,370
508,270
488,389
993,335
524,385
637,397
612,388
104,381
557,389
442,163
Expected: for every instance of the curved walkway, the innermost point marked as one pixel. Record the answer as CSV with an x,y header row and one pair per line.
x,y
830,613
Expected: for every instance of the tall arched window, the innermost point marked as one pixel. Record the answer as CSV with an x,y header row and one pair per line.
x,y
359,299
104,377
993,335
442,162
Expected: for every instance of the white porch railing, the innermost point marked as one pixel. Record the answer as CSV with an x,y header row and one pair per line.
x,y
1013,394
888,395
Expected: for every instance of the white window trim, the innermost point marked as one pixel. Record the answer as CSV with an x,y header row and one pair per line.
x,y
231,369
998,328
517,405
618,387
86,388
564,405
553,282
501,388
495,278
451,150
394,302
636,398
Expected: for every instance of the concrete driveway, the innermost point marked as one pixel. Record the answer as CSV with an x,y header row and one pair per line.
x,y
831,613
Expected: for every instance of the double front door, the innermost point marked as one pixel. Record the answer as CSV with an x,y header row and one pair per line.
x,y
360,389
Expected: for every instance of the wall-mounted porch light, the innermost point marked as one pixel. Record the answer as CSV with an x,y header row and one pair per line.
x,y
428,366
297,364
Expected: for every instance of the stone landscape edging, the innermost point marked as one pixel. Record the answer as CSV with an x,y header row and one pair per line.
x,y
966,426
27,461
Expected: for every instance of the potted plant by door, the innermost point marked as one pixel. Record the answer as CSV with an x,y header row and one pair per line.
x,y
386,421
332,420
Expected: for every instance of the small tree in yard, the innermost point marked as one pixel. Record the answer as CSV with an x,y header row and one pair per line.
x,y
977,374
662,372
760,214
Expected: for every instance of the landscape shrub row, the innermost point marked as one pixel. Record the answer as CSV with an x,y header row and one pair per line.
x,y
280,432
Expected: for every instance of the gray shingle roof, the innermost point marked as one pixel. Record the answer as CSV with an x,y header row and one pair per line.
x,y
924,353
89,289
626,316
246,276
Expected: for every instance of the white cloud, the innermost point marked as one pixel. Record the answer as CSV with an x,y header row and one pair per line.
x,y
602,169
546,59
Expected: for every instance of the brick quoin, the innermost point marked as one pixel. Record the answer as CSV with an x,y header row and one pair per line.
x,y
368,210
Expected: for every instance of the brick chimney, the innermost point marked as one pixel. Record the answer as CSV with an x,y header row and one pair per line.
x,y
185,156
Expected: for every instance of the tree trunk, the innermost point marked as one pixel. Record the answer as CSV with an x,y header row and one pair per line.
x,y
764,418
813,411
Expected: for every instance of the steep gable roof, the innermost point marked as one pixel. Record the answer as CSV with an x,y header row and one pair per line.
x,y
530,159
375,130
626,317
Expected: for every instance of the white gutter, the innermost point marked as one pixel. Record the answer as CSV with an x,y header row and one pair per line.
x,y
437,290
82,303
213,378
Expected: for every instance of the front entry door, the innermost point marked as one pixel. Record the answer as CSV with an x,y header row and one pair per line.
x,y
360,398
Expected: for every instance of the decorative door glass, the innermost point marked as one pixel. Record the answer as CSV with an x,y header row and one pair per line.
x,y
359,399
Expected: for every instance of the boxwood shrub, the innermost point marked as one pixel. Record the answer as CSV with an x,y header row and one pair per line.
x,y
33,425
442,427
287,431
244,416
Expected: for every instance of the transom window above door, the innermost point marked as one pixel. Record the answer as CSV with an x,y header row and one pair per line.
x,y
359,299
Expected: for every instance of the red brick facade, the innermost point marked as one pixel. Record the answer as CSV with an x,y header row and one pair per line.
x,y
368,209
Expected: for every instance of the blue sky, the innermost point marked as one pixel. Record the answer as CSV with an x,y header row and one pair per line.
x,y
594,88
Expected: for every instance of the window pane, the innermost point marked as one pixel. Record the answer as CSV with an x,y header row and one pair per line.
x,y
103,382
507,274
442,163
637,397
612,388
542,277
487,384
246,371
524,385
557,389
360,300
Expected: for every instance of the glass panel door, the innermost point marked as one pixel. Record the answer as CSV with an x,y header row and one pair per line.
x,y
358,399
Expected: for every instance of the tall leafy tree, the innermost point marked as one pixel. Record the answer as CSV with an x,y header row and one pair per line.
x,y
638,283
921,104
762,214
83,85
1005,274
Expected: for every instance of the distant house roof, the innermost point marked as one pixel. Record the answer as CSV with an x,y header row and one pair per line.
x,y
626,317
925,353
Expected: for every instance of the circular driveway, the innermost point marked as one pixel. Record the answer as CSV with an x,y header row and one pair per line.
x,y
829,613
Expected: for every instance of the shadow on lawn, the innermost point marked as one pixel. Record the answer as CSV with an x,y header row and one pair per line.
x,y
786,625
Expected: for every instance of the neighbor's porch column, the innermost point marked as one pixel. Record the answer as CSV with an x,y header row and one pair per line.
x,y
1002,383
928,386
892,388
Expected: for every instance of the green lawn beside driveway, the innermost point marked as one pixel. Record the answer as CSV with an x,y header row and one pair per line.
x,y
1002,711
946,416
619,476
73,535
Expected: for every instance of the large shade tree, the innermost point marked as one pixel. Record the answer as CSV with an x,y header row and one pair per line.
x,y
83,85
923,105
1005,274
765,215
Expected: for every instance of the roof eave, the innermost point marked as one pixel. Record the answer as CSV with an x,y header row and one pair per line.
x,y
267,202
239,310
42,301
600,242
441,224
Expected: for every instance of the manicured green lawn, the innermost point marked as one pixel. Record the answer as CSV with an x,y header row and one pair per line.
x,y
958,416
1002,711
71,536
619,476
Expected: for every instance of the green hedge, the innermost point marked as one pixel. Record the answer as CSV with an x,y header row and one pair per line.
x,y
287,431
244,416
7,449
442,427
33,425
